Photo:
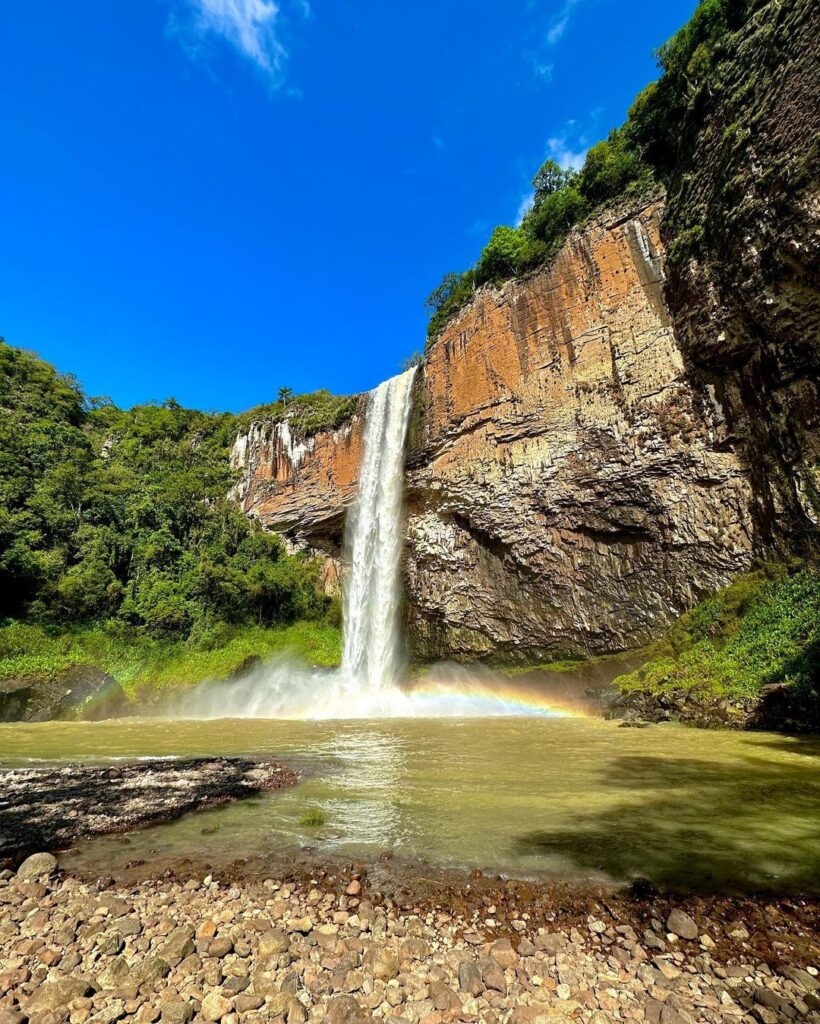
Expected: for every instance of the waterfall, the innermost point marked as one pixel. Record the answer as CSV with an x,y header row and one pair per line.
x,y
369,683
373,538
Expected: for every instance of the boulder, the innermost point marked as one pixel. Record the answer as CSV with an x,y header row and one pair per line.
x,y
384,964
492,975
80,691
37,865
681,924
56,995
215,1006
469,978
176,1011
178,945
346,1010
273,942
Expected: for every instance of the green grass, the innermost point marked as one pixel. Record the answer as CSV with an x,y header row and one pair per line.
x,y
138,661
314,818
763,628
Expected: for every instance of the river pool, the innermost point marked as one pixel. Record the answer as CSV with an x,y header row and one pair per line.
x,y
569,798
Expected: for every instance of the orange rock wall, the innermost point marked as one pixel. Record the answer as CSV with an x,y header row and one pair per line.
x,y
571,485
299,488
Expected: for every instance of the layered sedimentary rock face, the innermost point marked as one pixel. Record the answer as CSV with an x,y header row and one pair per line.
x,y
744,289
571,487
301,487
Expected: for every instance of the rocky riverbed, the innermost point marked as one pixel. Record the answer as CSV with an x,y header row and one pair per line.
x,y
50,808
333,949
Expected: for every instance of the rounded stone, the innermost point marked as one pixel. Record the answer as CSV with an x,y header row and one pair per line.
x,y
681,924
37,865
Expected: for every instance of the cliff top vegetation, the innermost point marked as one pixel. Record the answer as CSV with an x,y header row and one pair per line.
x,y
639,155
306,414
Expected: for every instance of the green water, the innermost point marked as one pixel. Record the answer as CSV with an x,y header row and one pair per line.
x,y
571,798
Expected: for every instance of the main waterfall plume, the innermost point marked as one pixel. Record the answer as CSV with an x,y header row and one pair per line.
x,y
369,683
373,539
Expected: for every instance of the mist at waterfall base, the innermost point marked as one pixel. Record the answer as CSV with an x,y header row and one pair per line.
x,y
370,683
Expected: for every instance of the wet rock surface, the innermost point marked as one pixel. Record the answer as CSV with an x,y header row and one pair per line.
x,y
81,691
778,708
53,807
304,950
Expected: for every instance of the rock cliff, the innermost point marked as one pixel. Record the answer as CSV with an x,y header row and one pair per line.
x,y
571,486
743,220
596,446
301,486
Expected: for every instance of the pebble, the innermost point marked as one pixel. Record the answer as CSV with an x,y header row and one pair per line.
x,y
680,923
173,953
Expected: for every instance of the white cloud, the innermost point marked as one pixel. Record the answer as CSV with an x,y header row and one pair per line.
x,y
567,153
524,207
252,27
559,22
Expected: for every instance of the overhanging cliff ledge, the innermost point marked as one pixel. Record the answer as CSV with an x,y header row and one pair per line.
x,y
598,444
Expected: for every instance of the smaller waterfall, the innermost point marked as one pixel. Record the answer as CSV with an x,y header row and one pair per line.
x,y
372,658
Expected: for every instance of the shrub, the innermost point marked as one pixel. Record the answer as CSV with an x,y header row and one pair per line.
x,y
610,169
551,220
763,628
508,252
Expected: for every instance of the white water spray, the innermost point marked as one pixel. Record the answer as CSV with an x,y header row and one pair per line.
x,y
367,685
372,656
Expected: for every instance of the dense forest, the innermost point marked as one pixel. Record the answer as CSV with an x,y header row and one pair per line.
x,y
640,155
121,517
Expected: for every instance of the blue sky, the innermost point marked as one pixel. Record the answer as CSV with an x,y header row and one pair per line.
x,y
210,199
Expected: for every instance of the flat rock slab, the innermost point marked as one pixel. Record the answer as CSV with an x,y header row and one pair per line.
x,y
51,808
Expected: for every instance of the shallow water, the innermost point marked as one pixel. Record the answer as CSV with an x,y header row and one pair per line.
x,y
572,798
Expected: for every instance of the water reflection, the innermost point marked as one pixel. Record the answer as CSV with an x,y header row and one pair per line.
x,y
369,767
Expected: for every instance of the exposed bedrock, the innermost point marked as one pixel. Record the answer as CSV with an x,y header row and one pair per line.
x,y
301,487
571,486
597,446
744,269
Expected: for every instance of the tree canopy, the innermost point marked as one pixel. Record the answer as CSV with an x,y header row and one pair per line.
x,y
118,515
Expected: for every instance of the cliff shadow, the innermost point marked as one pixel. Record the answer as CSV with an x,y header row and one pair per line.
x,y
692,825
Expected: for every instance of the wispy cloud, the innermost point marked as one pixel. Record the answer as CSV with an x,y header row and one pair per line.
x,y
524,206
568,148
542,70
438,142
567,153
252,27
559,22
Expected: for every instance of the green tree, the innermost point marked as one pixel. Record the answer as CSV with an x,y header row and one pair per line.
x,y
550,178
111,514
